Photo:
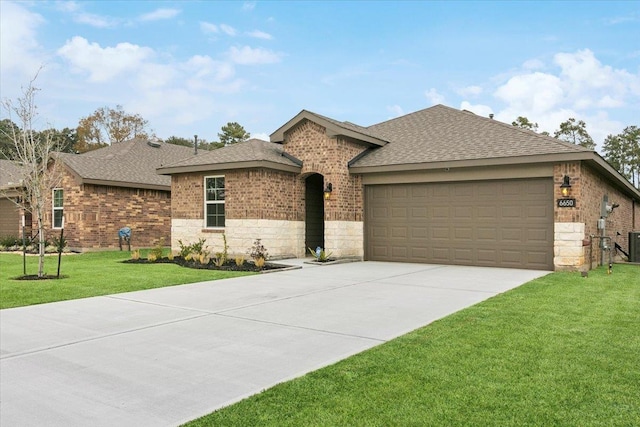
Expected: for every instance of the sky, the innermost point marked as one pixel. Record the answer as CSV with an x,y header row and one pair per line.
x,y
190,67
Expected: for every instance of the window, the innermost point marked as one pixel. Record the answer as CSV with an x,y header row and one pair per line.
x,y
58,209
214,201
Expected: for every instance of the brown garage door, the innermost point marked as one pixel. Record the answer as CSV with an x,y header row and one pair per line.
x,y
505,223
9,218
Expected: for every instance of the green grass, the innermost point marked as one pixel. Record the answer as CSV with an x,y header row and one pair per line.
x,y
90,274
561,350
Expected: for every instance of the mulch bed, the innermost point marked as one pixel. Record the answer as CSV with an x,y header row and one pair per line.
x,y
228,266
35,277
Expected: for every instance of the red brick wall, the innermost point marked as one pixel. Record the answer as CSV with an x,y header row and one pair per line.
x,y
94,214
249,194
329,156
588,188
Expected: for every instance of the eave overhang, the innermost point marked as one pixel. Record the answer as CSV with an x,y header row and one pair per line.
x,y
254,164
591,158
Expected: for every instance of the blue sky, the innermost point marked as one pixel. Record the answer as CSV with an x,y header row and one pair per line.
x,y
189,67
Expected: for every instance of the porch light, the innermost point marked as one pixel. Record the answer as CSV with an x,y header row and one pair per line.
x,y
565,188
327,191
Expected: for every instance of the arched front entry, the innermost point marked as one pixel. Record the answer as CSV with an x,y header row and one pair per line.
x,y
314,212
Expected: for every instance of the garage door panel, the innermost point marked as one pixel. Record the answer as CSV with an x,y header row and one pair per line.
x,y
505,223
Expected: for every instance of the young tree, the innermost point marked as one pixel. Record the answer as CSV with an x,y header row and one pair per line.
x,y
33,152
622,151
232,133
7,147
108,126
524,123
575,132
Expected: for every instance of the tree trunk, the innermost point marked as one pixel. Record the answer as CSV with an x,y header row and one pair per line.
x,y
41,242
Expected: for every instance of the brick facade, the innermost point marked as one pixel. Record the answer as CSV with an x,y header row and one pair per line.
x,y
329,157
588,188
94,214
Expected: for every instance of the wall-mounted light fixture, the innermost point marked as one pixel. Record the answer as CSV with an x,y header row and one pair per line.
x,y
327,191
611,207
565,188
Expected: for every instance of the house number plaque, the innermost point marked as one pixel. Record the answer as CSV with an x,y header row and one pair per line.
x,y
566,203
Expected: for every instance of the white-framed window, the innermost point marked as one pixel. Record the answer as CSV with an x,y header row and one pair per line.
x,y
58,207
214,201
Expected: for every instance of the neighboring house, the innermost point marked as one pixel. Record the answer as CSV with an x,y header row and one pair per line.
x,y
103,190
436,186
11,174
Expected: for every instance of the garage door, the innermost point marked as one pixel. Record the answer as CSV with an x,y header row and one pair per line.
x,y
505,223
9,218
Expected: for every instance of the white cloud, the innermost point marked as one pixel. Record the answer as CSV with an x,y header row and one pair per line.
x,y
228,30
209,28
395,110
469,91
249,5
434,97
536,92
94,20
249,56
160,14
479,109
19,47
262,136
103,64
260,35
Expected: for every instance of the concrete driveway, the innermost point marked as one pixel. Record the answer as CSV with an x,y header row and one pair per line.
x,y
166,356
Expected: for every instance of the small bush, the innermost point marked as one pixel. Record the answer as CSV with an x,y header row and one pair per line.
x,y
152,257
135,255
170,256
259,262
9,241
203,258
219,261
258,250
239,260
157,250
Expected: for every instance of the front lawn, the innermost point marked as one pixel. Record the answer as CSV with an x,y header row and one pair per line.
x,y
90,274
561,350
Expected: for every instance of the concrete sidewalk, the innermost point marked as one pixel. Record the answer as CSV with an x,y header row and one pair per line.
x,y
166,356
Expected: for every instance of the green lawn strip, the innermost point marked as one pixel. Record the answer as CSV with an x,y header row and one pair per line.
x,y
561,350
91,274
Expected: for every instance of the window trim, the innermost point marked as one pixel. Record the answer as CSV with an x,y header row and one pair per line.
x,y
55,208
213,202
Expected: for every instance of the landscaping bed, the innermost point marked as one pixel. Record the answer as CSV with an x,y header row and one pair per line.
x,y
210,265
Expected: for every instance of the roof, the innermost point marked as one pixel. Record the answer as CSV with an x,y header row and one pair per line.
x,y
11,174
333,127
249,154
444,134
131,163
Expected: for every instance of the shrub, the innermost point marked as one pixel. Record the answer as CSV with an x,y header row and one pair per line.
x,y
259,262
135,254
203,258
321,256
152,257
258,250
239,260
170,256
157,250
219,261
9,241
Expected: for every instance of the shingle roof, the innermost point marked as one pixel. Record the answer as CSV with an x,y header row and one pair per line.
x,y
441,134
131,163
236,155
11,174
